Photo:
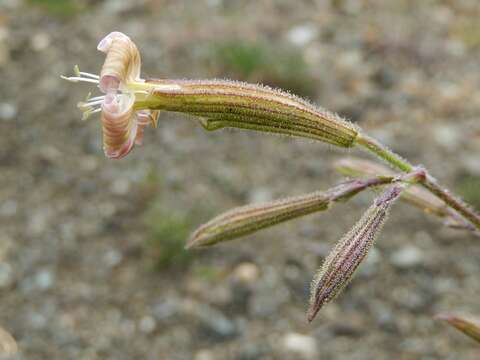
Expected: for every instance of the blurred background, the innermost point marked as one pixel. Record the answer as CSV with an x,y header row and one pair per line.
x,y
92,264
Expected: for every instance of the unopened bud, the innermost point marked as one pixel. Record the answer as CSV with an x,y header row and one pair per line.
x,y
468,326
340,265
248,219
222,104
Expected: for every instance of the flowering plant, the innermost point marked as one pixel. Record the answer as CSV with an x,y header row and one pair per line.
x,y
129,104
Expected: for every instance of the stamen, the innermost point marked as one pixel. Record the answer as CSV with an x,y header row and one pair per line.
x,y
88,99
79,73
78,79
89,112
91,102
93,76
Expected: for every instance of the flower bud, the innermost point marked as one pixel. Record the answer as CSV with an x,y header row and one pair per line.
x,y
222,104
248,219
340,265
468,326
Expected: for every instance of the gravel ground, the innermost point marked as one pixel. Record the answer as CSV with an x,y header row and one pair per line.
x,y
81,239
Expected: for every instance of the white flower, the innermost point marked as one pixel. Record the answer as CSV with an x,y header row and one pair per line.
x,y
124,105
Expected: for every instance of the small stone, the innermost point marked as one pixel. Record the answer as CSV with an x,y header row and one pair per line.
x,y
204,355
49,153
89,163
147,324
270,293
349,60
122,7
8,111
303,34
471,162
120,186
302,345
214,3
214,323
6,275
8,345
37,223
409,256
4,48
259,195
40,281
165,310
107,209
246,273
44,279
384,317
249,351
37,320
447,136
40,41
127,327
8,208
112,258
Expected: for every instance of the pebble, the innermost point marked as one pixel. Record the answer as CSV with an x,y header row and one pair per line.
x,y
407,257
204,354
214,322
8,345
122,7
37,320
251,351
112,258
303,34
4,48
246,273
120,186
8,208
8,111
447,136
40,41
6,275
44,279
269,295
303,346
41,281
37,223
165,310
471,162
259,195
147,324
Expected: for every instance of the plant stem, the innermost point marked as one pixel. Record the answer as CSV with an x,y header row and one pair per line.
x,y
428,182
248,219
374,146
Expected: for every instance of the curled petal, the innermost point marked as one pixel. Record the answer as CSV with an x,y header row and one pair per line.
x,y
144,119
122,63
148,117
119,125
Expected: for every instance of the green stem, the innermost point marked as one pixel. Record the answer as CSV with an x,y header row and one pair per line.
x,y
429,182
383,152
